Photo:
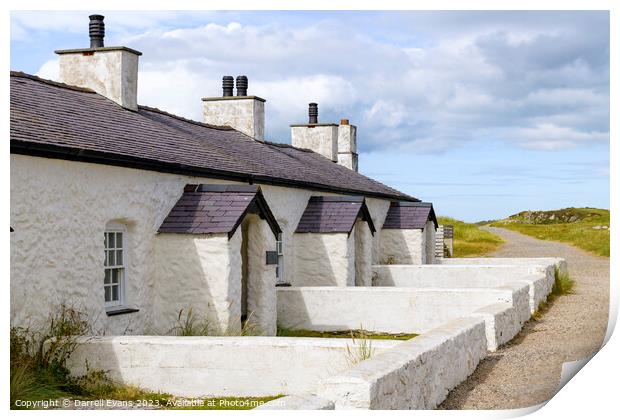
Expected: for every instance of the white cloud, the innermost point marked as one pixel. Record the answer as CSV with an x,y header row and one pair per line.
x,y
546,84
553,137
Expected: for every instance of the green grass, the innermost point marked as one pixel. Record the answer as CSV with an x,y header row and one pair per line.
x,y
283,332
563,285
571,225
469,240
224,403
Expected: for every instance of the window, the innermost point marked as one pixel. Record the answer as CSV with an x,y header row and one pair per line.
x,y
115,239
280,266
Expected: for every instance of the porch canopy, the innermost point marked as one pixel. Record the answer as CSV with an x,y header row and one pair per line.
x,y
334,214
209,208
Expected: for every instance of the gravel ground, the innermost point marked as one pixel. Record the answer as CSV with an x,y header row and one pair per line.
x,y
527,370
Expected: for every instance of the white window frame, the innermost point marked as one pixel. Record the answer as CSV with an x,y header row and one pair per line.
x,y
112,266
280,252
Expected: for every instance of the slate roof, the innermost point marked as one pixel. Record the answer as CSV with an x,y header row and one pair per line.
x,y
65,122
325,214
216,209
408,215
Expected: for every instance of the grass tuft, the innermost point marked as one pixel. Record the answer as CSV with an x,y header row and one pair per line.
x,y
563,285
361,349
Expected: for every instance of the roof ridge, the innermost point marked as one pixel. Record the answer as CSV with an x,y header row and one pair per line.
x,y
50,82
288,146
178,117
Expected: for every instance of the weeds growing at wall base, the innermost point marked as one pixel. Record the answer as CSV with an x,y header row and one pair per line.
x,y
189,324
38,368
563,285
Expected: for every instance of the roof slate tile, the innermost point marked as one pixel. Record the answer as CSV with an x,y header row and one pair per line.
x,y
60,120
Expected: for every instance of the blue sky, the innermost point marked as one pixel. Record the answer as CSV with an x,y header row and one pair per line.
x,y
483,113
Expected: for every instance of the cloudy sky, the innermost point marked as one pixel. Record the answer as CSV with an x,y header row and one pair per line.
x,y
483,113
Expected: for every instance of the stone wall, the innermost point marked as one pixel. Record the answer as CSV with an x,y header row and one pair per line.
x,y
538,277
390,309
417,374
560,263
216,366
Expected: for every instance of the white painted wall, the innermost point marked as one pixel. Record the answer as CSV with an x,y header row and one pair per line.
x,y
560,263
216,366
539,278
261,277
403,246
416,374
59,210
389,309
324,259
429,242
378,211
363,253
201,272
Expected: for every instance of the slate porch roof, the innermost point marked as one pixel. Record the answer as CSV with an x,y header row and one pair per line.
x,y
326,214
55,120
216,209
408,215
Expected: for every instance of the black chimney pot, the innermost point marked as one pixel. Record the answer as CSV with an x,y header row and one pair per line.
x,y
96,30
242,86
313,113
227,85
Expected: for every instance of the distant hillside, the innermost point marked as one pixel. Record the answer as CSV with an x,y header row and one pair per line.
x,y
568,215
469,240
586,228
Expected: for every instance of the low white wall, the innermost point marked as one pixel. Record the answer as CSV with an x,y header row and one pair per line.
x,y
417,374
502,323
539,278
216,366
389,309
560,263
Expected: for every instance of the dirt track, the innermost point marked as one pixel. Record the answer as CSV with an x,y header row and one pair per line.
x,y
527,370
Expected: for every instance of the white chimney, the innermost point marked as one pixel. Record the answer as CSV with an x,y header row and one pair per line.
x,y
347,145
242,112
109,71
320,138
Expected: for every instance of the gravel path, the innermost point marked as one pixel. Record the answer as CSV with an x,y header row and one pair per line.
x,y
527,370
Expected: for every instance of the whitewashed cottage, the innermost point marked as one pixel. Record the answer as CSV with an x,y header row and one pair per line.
x,y
132,214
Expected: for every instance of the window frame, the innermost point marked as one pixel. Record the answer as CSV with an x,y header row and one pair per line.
x,y
115,228
280,253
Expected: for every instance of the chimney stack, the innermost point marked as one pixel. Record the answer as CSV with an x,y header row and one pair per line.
x,y
242,112
110,71
347,145
320,138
